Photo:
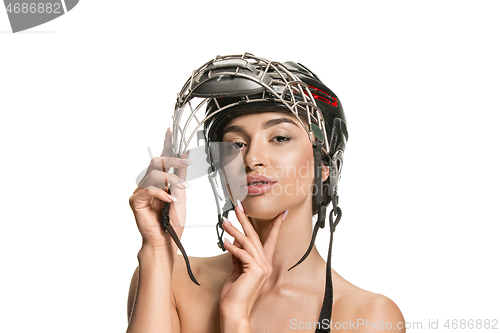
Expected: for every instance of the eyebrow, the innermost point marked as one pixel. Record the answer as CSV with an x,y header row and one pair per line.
x,y
267,124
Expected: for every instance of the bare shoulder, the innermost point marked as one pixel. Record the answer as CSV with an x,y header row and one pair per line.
x,y
378,312
364,311
206,270
203,300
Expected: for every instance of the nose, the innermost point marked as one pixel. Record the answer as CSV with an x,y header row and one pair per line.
x,y
256,155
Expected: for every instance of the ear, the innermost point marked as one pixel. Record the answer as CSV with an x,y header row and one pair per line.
x,y
325,171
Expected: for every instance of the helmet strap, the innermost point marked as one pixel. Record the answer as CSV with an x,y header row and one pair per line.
x,y
318,196
326,309
167,227
218,227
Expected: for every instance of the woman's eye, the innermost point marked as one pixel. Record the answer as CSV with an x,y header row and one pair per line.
x,y
281,139
235,145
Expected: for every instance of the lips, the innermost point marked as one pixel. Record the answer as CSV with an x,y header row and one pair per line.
x,y
257,184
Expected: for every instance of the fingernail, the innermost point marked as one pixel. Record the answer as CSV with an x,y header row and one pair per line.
x,y
226,220
285,214
184,184
173,198
226,240
184,161
240,206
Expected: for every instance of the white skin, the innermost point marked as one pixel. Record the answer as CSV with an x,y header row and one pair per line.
x,y
250,288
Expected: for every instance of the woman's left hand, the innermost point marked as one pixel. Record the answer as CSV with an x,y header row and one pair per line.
x,y
252,266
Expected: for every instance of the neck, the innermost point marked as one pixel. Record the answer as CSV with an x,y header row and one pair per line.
x,y
293,241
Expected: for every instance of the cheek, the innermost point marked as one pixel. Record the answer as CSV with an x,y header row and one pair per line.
x,y
297,167
234,173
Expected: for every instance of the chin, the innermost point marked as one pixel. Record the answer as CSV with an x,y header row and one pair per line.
x,y
267,207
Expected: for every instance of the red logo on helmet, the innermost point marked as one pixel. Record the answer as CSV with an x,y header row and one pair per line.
x,y
332,101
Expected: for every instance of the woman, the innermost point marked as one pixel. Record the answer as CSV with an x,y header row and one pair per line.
x,y
281,119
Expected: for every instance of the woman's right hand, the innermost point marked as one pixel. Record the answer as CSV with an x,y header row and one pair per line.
x,y
149,198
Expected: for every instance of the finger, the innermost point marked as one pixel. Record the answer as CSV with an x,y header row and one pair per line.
x,y
181,174
168,150
262,268
241,254
270,243
158,163
184,161
234,259
249,229
244,242
245,223
237,244
162,164
162,180
142,198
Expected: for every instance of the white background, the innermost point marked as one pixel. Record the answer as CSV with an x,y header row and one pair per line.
x,y
83,96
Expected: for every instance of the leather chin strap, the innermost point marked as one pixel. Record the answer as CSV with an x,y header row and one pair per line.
x,y
167,227
326,308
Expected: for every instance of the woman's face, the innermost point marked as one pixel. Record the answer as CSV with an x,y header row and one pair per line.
x,y
278,161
